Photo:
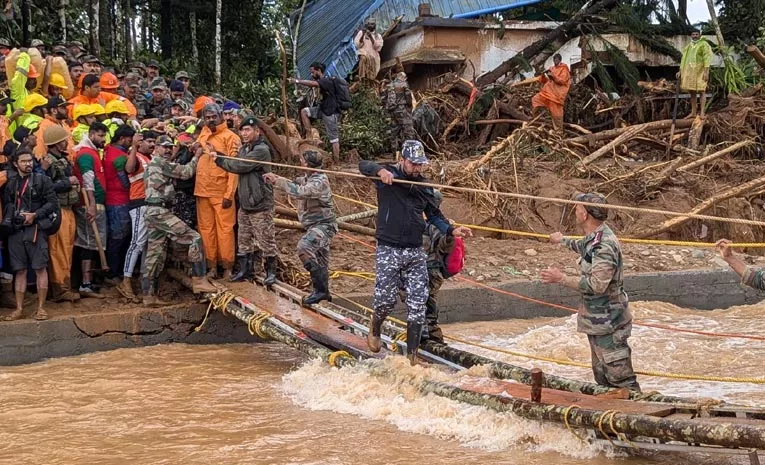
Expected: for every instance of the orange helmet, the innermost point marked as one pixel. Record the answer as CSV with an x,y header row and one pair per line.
x,y
32,74
109,81
201,102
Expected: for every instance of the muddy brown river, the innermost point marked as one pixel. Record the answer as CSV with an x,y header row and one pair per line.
x,y
266,404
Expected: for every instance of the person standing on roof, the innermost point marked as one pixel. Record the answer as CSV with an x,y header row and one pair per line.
x,y
256,204
215,189
328,110
368,44
400,229
557,82
61,244
604,314
694,71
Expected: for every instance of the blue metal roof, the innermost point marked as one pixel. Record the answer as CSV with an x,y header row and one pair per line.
x,y
328,26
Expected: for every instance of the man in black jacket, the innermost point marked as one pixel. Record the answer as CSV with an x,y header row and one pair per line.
x,y
256,204
34,201
400,227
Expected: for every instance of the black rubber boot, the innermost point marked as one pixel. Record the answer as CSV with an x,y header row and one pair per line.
x,y
270,268
413,335
245,268
320,280
373,338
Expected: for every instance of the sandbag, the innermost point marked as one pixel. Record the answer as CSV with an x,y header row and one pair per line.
x,y
58,65
38,61
10,63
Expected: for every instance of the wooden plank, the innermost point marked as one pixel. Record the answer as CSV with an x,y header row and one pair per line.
x,y
564,398
312,324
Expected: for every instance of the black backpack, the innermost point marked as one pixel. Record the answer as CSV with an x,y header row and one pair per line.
x,y
342,93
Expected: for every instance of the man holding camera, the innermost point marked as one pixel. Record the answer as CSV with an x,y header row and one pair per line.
x,y
31,205
368,44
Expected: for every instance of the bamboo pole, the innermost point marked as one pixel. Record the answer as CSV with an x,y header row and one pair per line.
x,y
612,133
623,138
344,226
357,216
714,156
284,94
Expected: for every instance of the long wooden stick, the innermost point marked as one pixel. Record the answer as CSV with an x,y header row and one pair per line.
x,y
674,120
284,94
101,254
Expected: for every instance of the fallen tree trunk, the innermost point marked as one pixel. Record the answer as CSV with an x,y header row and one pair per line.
x,y
631,132
357,216
288,224
275,142
734,191
714,156
612,133
564,31
757,54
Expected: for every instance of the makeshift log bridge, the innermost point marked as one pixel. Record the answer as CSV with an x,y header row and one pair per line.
x,y
593,413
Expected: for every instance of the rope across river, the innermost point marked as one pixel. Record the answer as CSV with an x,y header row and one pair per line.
x,y
519,196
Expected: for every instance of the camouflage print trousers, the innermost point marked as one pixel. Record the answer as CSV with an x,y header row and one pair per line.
x,y
314,245
256,232
403,126
163,225
406,268
612,359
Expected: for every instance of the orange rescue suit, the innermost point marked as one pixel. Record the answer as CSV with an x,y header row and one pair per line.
x,y
554,92
212,186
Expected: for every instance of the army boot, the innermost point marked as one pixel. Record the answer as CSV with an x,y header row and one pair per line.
x,y
320,280
413,335
200,283
245,268
373,338
149,289
270,268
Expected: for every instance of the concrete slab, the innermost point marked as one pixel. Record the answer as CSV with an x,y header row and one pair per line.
x,y
28,341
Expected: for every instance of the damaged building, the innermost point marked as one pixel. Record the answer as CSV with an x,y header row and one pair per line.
x,y
463,37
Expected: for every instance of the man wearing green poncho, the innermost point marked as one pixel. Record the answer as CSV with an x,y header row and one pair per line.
x,y
694,70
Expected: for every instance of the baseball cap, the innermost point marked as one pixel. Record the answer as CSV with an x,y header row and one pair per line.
x,y
55,102
158,83
60,50
414,151
596,212
5,42
133,80
183,104
153,64
165,141
91,59
176,86
181,75
312,159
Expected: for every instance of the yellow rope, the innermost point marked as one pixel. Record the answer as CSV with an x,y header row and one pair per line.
x,y
602,417
626,240
656,374
218,302
400,338
568,425
332,359
337,273
255,322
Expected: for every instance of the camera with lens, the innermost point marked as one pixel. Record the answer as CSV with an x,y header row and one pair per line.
x,y
18,222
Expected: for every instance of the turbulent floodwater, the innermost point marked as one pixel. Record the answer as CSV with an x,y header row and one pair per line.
x,y
264,403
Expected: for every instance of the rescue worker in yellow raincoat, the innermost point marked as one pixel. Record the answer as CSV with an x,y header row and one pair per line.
x,y
557,82
215,189
694,71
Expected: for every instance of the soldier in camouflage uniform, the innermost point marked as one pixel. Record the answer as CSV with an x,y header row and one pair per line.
x,y
751,277
400,228
398,102
314,205
604,313
163,225
256,204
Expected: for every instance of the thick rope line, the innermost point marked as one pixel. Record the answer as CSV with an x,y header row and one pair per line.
x,y
520,196
367,276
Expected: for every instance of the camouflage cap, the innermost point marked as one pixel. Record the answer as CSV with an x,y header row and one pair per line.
x,y
600,214
5,42
313,159
181,75
75,43
37,43
133,79
165,141
414,151
60,50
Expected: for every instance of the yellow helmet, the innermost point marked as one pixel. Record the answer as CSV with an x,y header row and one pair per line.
x,y
57,80
33,101
98,109
82,109
116,106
